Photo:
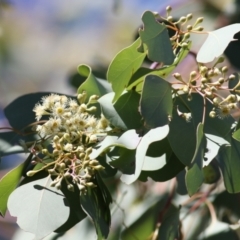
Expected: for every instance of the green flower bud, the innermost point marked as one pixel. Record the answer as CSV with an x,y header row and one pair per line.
x,y
58,185
31,173
90,184
182,19
189,27
203,69
52,172
93,162
89,151
189,16
221,81
200,28
170,19
212,114
99,167
168,8
70,187
224,69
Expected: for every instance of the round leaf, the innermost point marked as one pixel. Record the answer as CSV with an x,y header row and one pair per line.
x,y
123,66
39,208
156,101
153,135
92,85
216,43
155,36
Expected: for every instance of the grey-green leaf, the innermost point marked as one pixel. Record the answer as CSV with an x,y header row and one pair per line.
x,y
110,112
127,108
154,135
156,38
170,224
182,134
96,207
123,66
122,141
39,208
92,85
7,185
229,163
216,43
194,175
156,101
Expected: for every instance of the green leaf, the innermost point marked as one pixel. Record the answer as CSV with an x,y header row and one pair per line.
x,y
194,175
76,212
169,228
155,36
229,163
139,76
229,203
127,108
108,170
110,112
20,112
96,205
40,209
92,85
216,43
154,135
236,133
156,101
215,126
172,167
157,155
145,224
182,134
7,185
125,163
123,66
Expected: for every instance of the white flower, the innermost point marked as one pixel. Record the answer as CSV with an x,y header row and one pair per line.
x,y
68,147
67,115
63,99
58,110
73,104
54,124
48,101
44,131
39,111
223,111
91,122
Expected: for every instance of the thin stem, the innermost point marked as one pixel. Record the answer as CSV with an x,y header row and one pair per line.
x,y
204,110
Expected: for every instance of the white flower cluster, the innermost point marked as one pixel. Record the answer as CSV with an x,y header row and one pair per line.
x,y
70,132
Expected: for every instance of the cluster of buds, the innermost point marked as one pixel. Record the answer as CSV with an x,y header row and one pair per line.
x,y
182,28
224,107
66,140
207,82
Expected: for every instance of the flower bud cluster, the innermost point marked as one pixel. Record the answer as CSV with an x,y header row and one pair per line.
x,y
70,132
207,82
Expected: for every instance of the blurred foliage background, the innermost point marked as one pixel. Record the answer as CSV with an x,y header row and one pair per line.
x,y
41,44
